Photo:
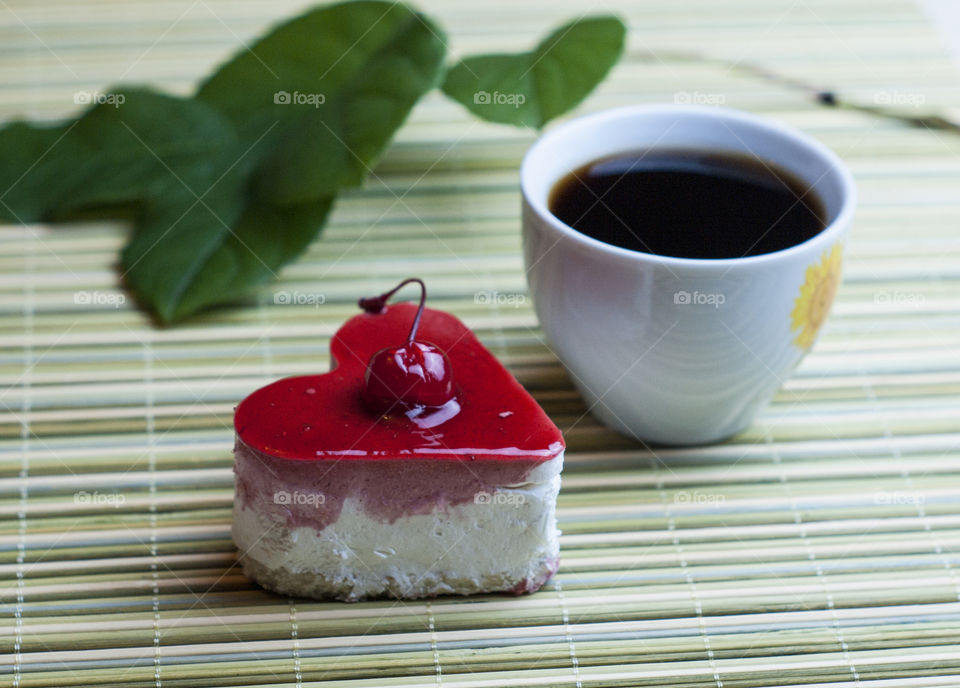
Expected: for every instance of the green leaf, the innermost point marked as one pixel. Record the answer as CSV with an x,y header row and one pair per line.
x,y
182,224
529,89
112,154
229,186
130,151
323,94
202,240
262,240
26,172
177,160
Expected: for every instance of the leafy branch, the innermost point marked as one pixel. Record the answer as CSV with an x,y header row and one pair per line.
x,y
227,186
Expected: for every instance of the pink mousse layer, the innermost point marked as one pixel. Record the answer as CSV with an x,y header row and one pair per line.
x,y
387,489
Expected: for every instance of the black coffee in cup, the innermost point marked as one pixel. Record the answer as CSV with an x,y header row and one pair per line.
x,y
689,204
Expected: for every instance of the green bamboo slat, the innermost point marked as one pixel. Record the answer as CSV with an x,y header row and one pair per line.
x,y
819,547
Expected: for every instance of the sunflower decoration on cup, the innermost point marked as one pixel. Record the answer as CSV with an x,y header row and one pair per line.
x,y
812,305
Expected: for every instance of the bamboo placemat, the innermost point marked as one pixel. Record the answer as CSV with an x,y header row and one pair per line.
x,y
819,547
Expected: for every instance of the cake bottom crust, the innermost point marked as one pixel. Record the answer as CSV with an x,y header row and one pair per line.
x,y
311,584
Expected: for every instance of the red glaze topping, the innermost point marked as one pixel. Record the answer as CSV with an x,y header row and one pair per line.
x,y
323,417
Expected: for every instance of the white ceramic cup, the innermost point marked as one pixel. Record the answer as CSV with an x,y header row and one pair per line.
x,y
679,350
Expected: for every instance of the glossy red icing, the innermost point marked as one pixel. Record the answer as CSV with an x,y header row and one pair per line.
x,y
322,417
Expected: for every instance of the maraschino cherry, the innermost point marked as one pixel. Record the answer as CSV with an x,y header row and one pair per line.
x,y
414,376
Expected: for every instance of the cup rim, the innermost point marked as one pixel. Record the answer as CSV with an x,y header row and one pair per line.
x,y
833,231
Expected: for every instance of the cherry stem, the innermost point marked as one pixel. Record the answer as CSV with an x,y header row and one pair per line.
x,y
376,304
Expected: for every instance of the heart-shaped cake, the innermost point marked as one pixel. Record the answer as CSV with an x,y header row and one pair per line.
x,y
345,491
